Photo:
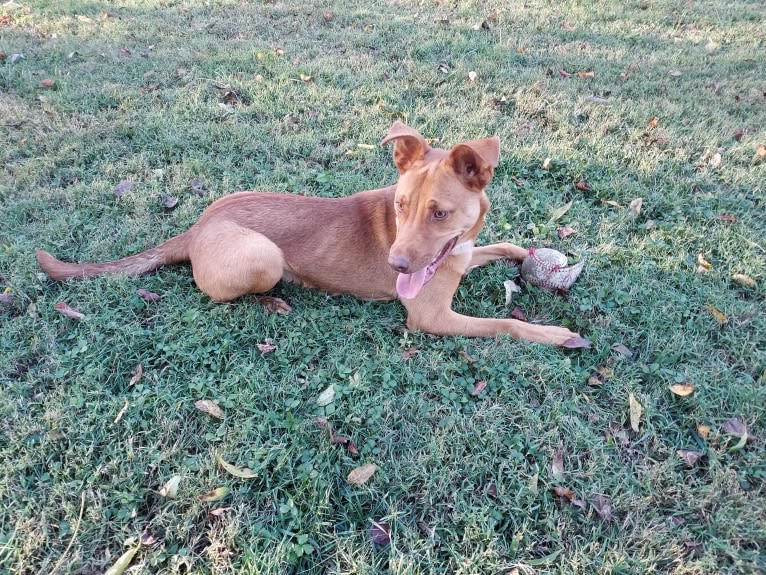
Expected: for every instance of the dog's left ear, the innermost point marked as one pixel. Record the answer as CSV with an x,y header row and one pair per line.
x,y
410,147
474,162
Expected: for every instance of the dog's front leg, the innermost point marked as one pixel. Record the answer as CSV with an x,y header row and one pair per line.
x,y
483,255
431,312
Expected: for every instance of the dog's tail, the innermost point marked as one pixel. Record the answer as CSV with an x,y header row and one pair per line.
x,y
174,250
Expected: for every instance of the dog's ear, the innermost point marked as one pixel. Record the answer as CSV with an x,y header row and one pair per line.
x,y
474,162
410,147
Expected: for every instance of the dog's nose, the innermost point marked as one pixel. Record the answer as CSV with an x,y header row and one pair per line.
x,y
399,263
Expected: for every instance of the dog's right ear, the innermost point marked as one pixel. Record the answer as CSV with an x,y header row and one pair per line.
x,y
410,147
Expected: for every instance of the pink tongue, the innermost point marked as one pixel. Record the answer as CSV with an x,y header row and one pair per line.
x,y
408,285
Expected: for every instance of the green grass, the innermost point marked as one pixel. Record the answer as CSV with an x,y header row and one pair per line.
x,y
465,483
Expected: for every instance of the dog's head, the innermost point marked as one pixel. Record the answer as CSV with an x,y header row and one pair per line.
x,y
440,202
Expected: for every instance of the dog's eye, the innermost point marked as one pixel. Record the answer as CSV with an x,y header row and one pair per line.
x,y
440,214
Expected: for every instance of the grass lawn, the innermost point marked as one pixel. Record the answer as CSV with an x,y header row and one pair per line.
x,y
552,468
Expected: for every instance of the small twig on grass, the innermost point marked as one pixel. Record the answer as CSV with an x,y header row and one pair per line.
x,y
74,536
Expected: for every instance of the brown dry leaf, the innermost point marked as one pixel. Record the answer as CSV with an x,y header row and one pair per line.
x,y
148,295
719,316
735,427
215,495
567,494
360,475
623,350
564,74
219,511
472,76
122,563
125,53
557,465
169,202
328,16
243,473
636,410
715,160
231,98
586,74
703,430
266,347
603,507
47,84
689,456
409,353
682,389
612,203
595,381
606,372
210,407
653,122
478,387
564,232
274,304
760,152
306,78
635,207
727,217
466,356
380,533
518,313
70,312
138,373
147,537
583,186
744,280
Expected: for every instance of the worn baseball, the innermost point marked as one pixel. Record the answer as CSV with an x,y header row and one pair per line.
x,y
550,269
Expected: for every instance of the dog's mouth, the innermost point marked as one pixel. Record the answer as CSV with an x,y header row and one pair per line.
x,y
409,285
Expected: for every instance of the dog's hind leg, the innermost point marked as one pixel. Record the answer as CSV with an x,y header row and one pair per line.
x,y
229,261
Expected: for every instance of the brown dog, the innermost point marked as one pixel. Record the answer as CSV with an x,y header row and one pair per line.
x,y
413,240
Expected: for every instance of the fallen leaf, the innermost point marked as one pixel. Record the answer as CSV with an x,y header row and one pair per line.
x,y
565,232
564,74
622,349
682,389
511,287
636,410
583,186
215,495
557,465
125,53
606,372
595,381
675,73
690,457
478,387
703,263
597,100
231,98
738,134
210,407
719,316
345,441
380,533
735,427
727,217
70,312
653,122
547,163
243,473
703,430
576,343
148,295
559,212
169,202
760,152
612,203
466,356
583,74
567,494
266,347
518,313
219,511
122,188
472,76
258,78
119,566
327,396
306,78
360,475
715,160
744,280
147,537
328,16
138,373
635,207
603,507
170,489
274,304
47,84
198,187
409,352
121,413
